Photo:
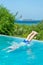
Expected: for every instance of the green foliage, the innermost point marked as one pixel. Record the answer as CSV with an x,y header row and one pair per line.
x,y
8,27
6,21
24,30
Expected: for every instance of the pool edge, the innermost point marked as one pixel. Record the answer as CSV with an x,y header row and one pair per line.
x,y
20,38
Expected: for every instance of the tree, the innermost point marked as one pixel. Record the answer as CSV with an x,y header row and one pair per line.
x,y
7,20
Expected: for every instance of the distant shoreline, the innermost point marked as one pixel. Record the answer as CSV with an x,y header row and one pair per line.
x,y
27,22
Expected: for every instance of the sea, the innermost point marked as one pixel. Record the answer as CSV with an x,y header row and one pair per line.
x,y
32,22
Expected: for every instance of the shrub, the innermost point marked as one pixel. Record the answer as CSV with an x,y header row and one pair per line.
x,y
6,21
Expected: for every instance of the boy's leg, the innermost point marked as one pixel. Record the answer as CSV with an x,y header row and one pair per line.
x,y
29,35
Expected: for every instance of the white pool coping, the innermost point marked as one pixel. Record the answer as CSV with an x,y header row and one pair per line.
x,y
19,37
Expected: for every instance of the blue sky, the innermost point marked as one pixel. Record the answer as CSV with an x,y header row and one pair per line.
x,y
29,9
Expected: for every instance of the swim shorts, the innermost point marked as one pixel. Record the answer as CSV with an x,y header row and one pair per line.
x,y
26,41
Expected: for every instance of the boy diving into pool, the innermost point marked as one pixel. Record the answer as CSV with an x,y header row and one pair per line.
x,y
25,42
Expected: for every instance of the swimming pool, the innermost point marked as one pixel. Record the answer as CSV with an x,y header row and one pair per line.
x,y
32,55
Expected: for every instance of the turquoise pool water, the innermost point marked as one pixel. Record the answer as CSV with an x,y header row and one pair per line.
x,y
32,55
